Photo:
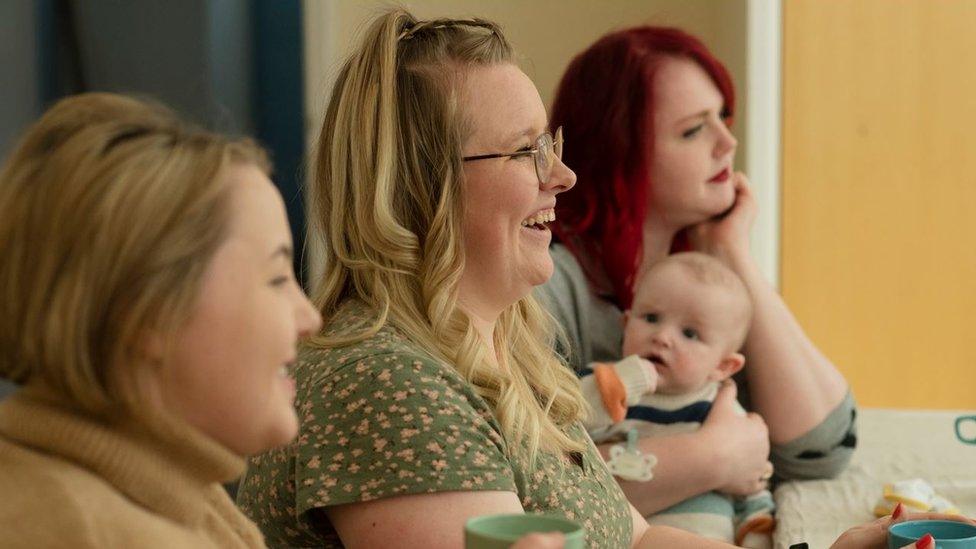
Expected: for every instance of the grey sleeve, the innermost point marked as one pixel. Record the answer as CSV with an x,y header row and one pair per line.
x,y
564,298
592,325
824,451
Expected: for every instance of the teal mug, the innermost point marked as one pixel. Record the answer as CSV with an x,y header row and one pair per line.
x,y
501,531
948,534
961,430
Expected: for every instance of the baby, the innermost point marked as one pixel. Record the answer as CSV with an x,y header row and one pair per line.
x,y
689,317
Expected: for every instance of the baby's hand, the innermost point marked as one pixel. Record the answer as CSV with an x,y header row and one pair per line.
x,y
622,384
650,373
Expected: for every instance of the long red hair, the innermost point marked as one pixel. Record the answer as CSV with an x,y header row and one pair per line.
x,y
605,105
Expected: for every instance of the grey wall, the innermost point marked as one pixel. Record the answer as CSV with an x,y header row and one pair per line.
x,y
185,53
19,102
190,54
193,55
19,97
6,389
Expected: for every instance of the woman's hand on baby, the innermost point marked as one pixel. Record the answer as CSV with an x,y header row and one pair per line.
x,y
726,236
741,443
874,535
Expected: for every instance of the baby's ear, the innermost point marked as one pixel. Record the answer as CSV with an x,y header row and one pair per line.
x,y
728,367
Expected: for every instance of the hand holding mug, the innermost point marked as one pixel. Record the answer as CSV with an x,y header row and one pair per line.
x,y
875,534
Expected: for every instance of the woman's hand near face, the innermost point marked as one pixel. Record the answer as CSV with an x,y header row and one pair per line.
x,y
743,441
727,236
791,382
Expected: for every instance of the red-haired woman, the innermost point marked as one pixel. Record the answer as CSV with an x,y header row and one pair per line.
x,y
646,114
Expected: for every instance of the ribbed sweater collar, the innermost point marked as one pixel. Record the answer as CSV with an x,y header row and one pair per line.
x,y
171,471
672,402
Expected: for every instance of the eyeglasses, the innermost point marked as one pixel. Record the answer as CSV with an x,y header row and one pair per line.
x,y
545,151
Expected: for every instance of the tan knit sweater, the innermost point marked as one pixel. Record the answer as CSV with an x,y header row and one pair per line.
x,y
68,481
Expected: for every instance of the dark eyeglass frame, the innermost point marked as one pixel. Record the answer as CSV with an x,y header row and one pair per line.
x,y
546,141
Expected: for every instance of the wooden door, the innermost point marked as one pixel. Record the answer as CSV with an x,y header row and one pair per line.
x,y
879,193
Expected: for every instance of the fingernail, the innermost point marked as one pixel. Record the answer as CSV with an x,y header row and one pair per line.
x,y
899,509
925,542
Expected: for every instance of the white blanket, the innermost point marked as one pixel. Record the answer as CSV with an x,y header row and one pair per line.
x,y
892,445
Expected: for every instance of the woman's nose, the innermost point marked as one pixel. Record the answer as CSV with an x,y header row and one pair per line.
x,y
309,319
561,178
726,141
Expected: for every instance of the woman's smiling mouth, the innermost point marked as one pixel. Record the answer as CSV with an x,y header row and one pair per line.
x,y
539,219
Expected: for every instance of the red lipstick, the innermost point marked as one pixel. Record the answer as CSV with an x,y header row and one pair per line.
x,y
721,177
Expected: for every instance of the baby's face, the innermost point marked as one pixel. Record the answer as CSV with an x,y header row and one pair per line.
x,y
685,327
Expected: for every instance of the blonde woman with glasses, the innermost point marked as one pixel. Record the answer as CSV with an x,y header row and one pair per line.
x,y
148,307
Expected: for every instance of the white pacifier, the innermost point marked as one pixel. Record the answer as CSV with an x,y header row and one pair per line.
x,y
629,463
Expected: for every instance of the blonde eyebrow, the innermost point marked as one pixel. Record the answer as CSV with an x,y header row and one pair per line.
x,y
515,138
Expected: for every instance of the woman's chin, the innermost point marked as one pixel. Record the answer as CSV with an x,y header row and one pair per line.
x,y
534,263
538,272
728,203
279,433
699,217
714,211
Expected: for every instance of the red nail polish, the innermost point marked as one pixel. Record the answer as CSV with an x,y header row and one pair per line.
x,y
899,509
925,542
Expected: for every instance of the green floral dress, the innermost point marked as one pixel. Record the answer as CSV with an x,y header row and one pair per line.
x,y
382,418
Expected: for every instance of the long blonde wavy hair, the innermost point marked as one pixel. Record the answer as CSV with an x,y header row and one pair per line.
x,y
386,203
110,211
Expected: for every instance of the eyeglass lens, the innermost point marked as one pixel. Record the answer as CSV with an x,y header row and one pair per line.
x,y
548,151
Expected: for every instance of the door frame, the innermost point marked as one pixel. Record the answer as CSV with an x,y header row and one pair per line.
x,y
764,83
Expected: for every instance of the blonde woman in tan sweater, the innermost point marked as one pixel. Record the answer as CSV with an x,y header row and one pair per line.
x,y
148,306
